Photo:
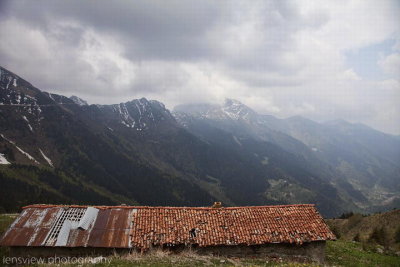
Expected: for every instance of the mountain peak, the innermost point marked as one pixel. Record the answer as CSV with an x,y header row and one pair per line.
x,y
230,109
236,109
337,122
140,114
232,102
145,103
78,101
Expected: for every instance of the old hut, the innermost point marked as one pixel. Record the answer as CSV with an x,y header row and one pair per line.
x,y
295,231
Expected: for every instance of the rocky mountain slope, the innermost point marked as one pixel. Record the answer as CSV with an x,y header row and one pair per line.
x,y
55,149
362,163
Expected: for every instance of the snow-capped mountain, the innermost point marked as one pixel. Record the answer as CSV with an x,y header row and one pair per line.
x,y
55,150
61,150
231,109
235,117
138,114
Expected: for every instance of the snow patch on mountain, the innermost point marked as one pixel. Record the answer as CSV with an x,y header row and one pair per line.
x,y
182,118
9,81
236,110
46,158
3,159
237,140
78,101
19,149
126,118
29,126
140,114
50,96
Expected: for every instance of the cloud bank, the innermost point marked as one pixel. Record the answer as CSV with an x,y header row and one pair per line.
x,y
279,57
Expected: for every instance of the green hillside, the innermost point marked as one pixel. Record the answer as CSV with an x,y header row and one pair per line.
x,y
382,229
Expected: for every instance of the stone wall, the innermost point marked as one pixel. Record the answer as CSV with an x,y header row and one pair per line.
x,y
46,252
313,251
307,252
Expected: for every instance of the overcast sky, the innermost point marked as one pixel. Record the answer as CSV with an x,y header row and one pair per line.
x,y
320,59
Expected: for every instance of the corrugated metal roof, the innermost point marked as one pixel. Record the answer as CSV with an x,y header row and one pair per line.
x,y
33,226
143,227
88,218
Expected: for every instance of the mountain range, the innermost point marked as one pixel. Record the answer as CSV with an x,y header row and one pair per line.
x,y
55,149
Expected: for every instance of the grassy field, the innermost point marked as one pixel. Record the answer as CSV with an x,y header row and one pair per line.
x,y
338,253
5,221
347,253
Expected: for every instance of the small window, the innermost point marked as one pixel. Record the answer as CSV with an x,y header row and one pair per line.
x,y
193,232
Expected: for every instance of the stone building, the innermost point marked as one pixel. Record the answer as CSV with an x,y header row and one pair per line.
x,y
288,231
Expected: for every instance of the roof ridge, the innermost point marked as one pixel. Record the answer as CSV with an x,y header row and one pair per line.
x,y
164,207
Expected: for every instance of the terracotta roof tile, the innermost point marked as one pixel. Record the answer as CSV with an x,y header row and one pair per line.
x,y
228,226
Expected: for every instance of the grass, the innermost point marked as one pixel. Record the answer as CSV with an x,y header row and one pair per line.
x,y
338,253
5,221
346,253
189,259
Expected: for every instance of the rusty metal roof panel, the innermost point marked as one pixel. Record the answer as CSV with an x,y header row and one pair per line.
x,y
17,237
111,229
78,238
22,218
32,222
119,219
39,237
102,219
109,238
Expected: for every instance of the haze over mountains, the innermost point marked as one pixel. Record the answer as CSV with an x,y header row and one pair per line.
x,y
55,149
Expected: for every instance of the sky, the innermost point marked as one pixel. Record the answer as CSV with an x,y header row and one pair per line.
x,y
323,60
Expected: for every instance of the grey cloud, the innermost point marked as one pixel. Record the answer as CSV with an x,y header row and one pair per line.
x,y
150,29
277,53
180,30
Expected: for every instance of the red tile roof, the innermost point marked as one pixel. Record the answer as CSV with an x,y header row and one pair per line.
x,y
143,227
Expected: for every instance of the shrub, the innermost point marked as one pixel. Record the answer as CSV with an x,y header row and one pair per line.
x,y
368,247
378,236
354,220
336,232
357,238
397,235
346,215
